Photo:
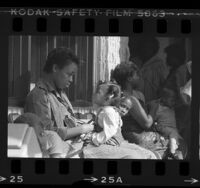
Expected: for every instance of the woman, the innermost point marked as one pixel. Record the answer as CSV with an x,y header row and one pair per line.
x,y
49,101
137,125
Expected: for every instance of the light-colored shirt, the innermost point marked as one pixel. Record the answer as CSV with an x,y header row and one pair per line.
x,y
110,121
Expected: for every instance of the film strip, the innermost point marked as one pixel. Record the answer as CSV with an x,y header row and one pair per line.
x,y
27,29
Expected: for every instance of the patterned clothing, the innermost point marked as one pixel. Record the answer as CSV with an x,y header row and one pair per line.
x,y
153,75
124,151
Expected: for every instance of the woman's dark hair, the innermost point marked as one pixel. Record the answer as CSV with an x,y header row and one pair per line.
x,y
143,47
61,57
177,50
167,94
122,72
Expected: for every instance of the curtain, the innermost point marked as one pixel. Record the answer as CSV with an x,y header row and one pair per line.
x,y
108,52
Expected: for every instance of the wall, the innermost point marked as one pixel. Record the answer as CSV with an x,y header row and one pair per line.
x,y
27,55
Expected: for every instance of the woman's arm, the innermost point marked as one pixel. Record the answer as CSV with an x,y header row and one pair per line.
x,y
37,103
67,133
139,114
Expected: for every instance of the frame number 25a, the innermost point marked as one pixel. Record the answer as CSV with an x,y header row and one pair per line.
x,y
111,179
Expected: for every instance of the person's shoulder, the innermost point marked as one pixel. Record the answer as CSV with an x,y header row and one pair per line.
x,y
108,111
37,92
154,102
137,96
158,62
181,69
157,59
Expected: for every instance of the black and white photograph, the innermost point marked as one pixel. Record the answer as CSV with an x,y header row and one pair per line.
x,y
99,97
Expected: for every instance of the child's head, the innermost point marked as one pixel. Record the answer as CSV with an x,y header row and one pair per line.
x,y
125,105
107,94
168,98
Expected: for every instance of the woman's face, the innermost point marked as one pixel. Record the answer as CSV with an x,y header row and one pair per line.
x,y
63,77
134,80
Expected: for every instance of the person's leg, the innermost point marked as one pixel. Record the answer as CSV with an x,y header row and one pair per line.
x,y
147,154
111,152
57,155
57,149
144,141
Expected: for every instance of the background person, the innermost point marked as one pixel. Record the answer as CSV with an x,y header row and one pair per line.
x,y
152,69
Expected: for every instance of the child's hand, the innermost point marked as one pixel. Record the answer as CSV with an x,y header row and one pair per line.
x,y
86,128
87,138
173,145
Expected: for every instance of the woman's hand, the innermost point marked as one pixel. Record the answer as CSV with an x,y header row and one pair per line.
x,y
150,120
67,133
86,128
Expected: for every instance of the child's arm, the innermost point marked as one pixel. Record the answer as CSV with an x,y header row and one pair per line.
x,y
140,115
108,120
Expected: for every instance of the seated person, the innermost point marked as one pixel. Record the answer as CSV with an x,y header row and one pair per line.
x,y
162,111
122,108
106,141
49,101
50,142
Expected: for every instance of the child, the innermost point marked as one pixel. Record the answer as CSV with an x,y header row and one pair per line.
x,y
50,142
125,105
107,135
162,111
121,108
